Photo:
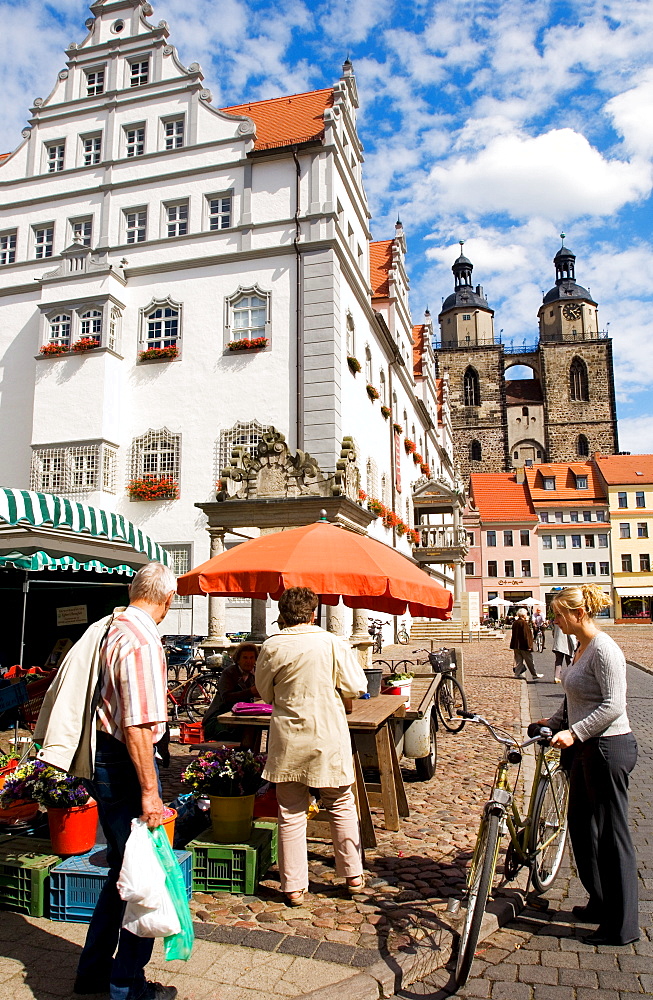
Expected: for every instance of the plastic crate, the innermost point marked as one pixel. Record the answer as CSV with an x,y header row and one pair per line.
x,y
273,826
191,732
76,884
24,876
234,868
12,695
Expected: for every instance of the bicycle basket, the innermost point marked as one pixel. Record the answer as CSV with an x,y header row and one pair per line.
x,y
440,661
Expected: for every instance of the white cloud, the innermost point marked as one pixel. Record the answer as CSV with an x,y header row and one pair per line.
x,y
631,114
636,434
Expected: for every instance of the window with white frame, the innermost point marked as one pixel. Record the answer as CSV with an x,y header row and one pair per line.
x,y
386,497
82,230
139,72
8,247
134,140
43,242
113,338
75,468
135,225
91,325
179,562
176,219
91,149
372,482
368,365
161,326
59,328
350,331
219,208
248,314
243,434
173,133
156,455
94,82
55,153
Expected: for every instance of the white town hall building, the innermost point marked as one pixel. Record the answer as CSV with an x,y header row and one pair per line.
x,y
144,235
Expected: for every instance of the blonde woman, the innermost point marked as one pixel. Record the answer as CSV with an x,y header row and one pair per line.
x,y
600,751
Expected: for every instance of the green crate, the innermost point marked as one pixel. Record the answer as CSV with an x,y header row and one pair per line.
x,y
273,827
24,876
234,868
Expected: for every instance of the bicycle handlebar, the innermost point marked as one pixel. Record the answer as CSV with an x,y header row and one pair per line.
x,y
507,740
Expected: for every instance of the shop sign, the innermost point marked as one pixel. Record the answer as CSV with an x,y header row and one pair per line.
x,y
510,583
76,614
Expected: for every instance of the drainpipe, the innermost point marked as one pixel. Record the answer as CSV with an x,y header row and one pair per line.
x,y
299,321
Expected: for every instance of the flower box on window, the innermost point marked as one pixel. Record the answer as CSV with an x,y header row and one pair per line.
x,y
385,412
372,392
256,344
417,458
426,469
54,350
410,446
398,428
413,536
354,364
83,345
376,507
401,528
152,488
390,519
362,496
159,354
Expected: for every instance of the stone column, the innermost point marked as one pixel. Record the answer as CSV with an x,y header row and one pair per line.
x,y
335,619
217,639
360,639
259,625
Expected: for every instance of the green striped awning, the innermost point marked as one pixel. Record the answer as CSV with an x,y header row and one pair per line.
x,y
52,532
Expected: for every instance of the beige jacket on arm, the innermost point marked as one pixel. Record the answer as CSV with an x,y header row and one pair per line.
x,y
300,672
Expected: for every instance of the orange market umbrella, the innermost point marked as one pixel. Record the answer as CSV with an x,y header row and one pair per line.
x,y
331,561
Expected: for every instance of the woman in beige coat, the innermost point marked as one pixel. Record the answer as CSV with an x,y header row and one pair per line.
x,y
303,672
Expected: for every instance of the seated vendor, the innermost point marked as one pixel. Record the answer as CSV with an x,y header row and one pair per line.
x,y
236,684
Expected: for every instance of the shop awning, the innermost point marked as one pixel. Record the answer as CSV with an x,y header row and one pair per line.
x,y
634,591
43,531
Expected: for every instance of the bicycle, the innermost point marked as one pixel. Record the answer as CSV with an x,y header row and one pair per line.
x,y
376,631
403,636
450,697
537,840
539,637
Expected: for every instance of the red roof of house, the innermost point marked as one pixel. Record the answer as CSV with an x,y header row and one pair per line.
x,y
565,476
419,333
499,497
625,469
282,121
380,264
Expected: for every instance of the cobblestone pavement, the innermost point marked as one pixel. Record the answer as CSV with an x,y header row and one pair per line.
x,y
540,956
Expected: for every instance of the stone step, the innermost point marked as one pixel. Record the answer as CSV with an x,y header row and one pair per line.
x,y
444,632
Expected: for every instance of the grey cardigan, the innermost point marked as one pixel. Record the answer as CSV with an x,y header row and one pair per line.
x,y
595,685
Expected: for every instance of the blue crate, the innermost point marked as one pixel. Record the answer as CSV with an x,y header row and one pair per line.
x,y
76,884
12,695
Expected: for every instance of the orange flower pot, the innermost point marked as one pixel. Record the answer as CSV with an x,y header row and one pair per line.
x,y
73,829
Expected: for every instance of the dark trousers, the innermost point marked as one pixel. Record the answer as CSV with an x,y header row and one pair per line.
x,y
598,826
116,788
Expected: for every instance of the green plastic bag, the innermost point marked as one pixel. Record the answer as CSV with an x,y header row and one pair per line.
x,y
177,945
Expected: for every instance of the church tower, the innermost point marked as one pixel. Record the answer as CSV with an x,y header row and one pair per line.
x,y
564,412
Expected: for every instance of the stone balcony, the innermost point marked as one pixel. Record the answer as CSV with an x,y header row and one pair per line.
x,y
441,545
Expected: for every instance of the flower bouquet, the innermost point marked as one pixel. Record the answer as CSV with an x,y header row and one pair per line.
x,y
44,784
54,350
84,344
230,778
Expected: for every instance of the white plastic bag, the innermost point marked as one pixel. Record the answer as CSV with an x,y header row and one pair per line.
x,y
142,884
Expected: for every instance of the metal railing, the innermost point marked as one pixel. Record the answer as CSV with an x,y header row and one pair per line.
x,y
443,538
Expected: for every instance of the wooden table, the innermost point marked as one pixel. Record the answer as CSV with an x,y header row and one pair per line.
x,y
371,716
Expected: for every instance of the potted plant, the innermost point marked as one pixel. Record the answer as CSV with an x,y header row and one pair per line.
x,y
376,506
417,458
413,536
72,813
400,683
54,350
255,344
159,354
362,496
385,412
371,391
425,468
410,446
398,429
153,488
401,528
230,779
354,364
83,345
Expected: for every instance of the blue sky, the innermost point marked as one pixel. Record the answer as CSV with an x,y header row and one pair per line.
x,y
501,123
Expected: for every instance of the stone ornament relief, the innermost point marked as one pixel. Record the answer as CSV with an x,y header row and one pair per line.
x,y
272,472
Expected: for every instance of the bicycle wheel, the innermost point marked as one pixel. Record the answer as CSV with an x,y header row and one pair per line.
x,y
425,766
549,829
403,637
480,884
199,694
450,697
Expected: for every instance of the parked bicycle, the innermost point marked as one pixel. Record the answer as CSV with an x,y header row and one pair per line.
x,y
376,631
450,698
403,635
537,840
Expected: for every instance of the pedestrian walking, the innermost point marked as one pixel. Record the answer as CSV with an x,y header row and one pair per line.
x,y
305,672
521,642
131,717
600,751
563,648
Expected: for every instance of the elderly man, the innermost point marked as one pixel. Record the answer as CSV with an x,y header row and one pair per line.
x,y
131,718
521,642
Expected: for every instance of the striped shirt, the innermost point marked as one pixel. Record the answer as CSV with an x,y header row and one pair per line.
x,y
134,684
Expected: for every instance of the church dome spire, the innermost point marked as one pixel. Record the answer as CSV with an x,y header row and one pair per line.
x,y
566,286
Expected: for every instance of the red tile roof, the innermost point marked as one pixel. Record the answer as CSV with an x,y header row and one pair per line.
x,y
380,264
624,469
283,121
565,476
499,497
419,333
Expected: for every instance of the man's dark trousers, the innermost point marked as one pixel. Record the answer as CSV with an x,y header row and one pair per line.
x,y
116,788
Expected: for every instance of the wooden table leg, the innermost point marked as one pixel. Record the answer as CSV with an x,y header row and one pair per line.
x,y
368,835
402,801
387,777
